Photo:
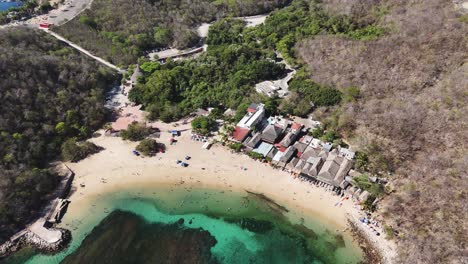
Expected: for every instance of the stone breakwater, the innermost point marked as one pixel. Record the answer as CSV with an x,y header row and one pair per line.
x,y
28,238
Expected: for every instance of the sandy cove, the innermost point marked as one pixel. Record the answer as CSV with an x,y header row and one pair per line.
x,y
216,168
222,170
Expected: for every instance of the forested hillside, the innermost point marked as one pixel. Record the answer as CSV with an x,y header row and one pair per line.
x,y
410,115
238,58
49,93
120,30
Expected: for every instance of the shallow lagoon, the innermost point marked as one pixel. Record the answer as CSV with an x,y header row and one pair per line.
x,y
155,225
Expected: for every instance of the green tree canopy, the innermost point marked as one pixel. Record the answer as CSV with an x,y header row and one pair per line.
x,y
203,125
136,132
149,147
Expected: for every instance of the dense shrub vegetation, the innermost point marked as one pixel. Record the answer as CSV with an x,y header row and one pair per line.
x,y
120,30
308,94
136,132
224,75
203,125
75,151
305,18
49,93
149,147
407,116
238,58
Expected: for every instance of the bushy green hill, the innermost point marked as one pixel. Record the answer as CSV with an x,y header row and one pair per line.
x,y
121,30
49,93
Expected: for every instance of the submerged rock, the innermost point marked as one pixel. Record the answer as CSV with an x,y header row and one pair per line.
x,y
123,237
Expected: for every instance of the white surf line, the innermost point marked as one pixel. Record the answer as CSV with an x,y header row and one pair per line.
x,y
102,61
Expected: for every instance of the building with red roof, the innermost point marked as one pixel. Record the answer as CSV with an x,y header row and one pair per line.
x,y
296,127
240,134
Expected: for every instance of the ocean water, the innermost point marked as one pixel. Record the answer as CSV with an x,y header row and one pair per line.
x,y
184,225
7,5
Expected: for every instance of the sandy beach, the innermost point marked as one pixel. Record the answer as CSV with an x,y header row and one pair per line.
x,y
216,168
116,168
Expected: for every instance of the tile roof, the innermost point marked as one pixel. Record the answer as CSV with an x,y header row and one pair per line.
x,y
296,126
240,133
271,133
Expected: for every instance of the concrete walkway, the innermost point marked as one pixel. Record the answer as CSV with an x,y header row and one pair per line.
x,y
48,235
82,50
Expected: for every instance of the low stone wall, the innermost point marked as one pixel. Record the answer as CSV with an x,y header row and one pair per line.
x,y
30,239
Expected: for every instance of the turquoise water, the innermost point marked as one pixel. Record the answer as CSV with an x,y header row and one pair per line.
x,y
245,228
7,5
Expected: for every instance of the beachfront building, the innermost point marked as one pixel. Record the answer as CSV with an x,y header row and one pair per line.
x,y
292,164
316,143
306,139
298,167
288,139
255,114
312,152
346,153
335,169
287,156
271,133
327,146
251,142
296,128
301,148
276,158
264,149
278,121
240,134
291,136
272,153
315,166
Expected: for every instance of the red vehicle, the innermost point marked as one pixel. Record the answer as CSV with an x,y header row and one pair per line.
x,y
45,25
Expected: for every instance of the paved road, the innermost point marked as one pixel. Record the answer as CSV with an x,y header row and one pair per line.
x,y
66,12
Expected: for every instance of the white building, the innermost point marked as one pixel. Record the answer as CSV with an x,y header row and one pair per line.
x,y
347,153
316,143
255,114
278,121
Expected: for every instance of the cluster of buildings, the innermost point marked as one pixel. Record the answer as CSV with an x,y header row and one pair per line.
x,y
289,147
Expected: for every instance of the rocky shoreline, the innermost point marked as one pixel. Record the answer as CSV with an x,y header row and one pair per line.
x,y
372,254
31,239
